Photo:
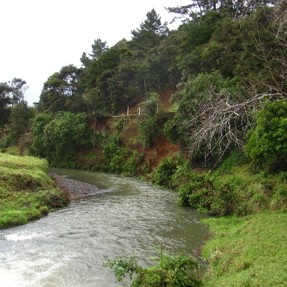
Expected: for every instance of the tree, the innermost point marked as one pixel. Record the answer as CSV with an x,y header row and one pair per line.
x,y
200,53
19,121
149,33
11,93
18,87
234,8
61,91
98,48
101,92
210,120
61,137
5,102
148,125
267,140
150,73
39,142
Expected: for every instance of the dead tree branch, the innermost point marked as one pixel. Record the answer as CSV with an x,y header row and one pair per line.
x,y
219,124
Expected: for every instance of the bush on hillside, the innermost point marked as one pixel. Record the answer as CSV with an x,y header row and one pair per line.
x,y
169,271
267,141
163,173
57,139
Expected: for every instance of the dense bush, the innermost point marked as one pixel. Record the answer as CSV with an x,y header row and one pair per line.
x,y
148,124
169,271
58,139
119,159
267,141
39,147
233,190
163,173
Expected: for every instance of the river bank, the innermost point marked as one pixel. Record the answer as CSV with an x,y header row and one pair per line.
x,y
74,188
247,251
129,217
27,192
242,251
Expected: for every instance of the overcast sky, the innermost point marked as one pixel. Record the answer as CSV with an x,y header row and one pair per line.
x,y
39,37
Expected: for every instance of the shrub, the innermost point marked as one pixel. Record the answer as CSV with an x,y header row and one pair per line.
x,y
162,175
148,130
267,141
61,137
118,159
169,271
148,121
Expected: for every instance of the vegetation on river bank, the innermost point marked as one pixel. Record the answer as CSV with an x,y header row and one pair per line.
x,y
26,191
226,68
248,235
168,270
247,251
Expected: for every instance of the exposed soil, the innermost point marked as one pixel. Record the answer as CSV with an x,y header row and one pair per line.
x,y
130,135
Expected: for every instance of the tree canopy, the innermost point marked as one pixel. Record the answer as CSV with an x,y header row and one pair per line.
x,y
225,61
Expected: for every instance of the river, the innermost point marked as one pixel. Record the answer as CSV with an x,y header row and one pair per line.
x,y
68,248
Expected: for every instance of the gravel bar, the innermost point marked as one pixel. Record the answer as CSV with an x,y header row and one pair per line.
x,y
75,188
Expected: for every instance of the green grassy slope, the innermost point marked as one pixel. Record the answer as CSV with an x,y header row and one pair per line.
x,y
247,251
26,191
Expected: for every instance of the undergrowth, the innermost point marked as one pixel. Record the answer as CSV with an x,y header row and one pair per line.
x,y
232,189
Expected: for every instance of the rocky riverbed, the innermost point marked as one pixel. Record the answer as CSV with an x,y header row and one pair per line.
x,y
74,188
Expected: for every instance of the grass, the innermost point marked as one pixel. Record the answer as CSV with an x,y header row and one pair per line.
x,y
26,191
247,251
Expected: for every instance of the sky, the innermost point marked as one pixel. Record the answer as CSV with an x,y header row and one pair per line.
x,y
39,37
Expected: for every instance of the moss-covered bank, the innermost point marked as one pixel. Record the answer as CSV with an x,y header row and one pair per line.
x,y
26,191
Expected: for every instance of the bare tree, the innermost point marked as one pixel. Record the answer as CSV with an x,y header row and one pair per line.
x,y
219,124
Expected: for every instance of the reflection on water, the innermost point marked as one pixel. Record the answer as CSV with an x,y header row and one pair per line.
x,y
69,247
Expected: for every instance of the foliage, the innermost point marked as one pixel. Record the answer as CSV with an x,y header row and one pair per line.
x,y
235,9
164,172
267,141
39,144
222,63
195,192
233,190
17,88
150,72
148,125
61,92
26,191
247,251
235,158
61,137
19,121
5,101
149,130
209,120
11,93
118,159
173,130
169,270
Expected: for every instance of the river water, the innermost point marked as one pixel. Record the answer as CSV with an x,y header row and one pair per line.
x,y
68,248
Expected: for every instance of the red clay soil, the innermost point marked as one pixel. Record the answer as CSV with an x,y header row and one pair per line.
x,y
161,149
165,99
